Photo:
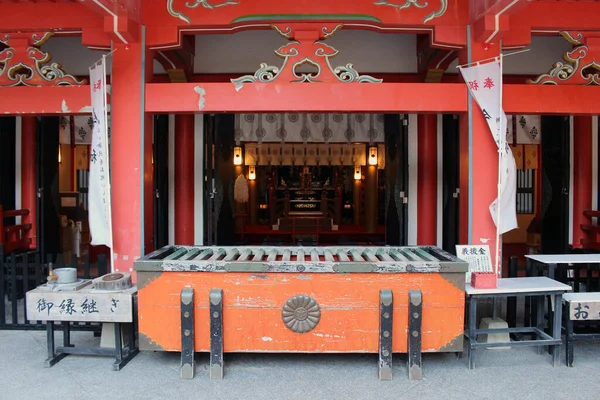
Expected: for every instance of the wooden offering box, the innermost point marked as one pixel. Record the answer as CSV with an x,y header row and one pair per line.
x,y
301,299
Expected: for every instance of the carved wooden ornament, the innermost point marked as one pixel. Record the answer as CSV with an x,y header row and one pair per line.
x,y
305,47
23,63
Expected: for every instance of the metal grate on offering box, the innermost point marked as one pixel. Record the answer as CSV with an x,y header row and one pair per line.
x,y
412,259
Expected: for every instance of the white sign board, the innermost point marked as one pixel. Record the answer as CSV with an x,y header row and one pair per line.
x,y
478,257
81,305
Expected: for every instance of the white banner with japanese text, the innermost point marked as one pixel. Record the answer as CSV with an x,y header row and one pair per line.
x,y
100,208
483,81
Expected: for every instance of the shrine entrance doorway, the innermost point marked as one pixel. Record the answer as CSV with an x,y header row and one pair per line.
x,y
306,179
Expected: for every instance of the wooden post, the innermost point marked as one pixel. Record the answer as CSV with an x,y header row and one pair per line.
x,y
582,175
427,180
184,179
28,176
132,177
478,165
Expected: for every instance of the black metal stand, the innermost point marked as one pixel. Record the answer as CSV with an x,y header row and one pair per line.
x,y
415,312
216,334
385,334
540,338
188,366
122,355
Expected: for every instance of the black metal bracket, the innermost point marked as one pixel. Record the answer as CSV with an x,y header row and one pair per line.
x,y
122,355
385,334
188,365
216,334
415,316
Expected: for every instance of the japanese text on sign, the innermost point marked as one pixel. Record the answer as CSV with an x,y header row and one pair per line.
x,y
478,257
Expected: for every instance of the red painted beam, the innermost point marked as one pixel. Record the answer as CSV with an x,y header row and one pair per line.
x,y
559,15
271,97
392,97
346,97
479,8
48,17
551,99
50,100
491,18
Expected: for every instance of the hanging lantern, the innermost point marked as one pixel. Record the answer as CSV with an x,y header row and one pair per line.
x,y
372,155
357,173
251,172
237,155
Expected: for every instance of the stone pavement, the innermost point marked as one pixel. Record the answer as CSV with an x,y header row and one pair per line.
x,y
521,373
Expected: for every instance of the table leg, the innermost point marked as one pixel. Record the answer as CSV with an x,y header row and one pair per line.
x,y
472,328
53,358
557,328
527,314
539,316
551,271
570,343
66,334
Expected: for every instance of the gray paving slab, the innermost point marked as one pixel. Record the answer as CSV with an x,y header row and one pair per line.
x,y
522,373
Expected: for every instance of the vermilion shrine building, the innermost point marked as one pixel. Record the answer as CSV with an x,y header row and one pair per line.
x,y
195,86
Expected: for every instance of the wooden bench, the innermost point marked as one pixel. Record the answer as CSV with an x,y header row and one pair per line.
x,y
14,237
579,307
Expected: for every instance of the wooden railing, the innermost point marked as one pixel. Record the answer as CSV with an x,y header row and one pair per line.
x,y
592,230
14,237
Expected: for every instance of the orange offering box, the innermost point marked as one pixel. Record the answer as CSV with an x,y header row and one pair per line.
x,y
300,299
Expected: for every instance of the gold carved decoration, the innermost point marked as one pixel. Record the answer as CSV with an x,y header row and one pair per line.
x,y
210,5
23,63
417,4
305,50
582,67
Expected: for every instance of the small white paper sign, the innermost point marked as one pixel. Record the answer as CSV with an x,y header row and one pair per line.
x,y
478,257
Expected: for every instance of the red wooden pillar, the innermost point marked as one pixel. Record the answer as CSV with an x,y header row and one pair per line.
x,y
478,165
184,179
582,175
28,176
427,180
132,175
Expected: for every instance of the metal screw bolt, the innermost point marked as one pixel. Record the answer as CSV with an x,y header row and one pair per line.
x,y
415,315
386,315
386,334
186,314
187,332
415,333
215,315
385,353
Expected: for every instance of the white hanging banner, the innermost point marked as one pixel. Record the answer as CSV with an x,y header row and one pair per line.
x,y
484,82
100,208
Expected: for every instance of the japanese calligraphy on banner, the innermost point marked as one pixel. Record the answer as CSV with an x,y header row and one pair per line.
x,y
478,257
484,83
100,208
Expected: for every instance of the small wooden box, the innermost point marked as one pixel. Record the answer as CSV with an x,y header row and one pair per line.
x,y
484,280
